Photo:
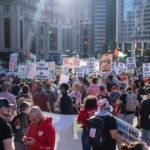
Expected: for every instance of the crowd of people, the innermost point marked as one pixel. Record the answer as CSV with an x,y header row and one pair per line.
x,y
23,125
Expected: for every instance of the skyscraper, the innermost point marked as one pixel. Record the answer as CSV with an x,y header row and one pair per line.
x,y
133,24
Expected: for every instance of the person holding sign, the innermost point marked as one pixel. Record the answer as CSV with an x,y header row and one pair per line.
x,y
145,117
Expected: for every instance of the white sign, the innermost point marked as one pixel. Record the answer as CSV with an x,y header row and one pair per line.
x,y
42,70
127,132
131,63
64,78
146,69
121,67
31,70
22,71
114,70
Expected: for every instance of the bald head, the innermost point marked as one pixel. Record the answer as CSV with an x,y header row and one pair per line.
x,y
35,110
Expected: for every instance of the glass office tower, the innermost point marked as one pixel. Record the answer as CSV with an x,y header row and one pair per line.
x,y
133,23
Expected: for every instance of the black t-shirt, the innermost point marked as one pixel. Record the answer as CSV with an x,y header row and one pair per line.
x,y
141,92
5,132
19,124
110,124
66,106
123,110
144,112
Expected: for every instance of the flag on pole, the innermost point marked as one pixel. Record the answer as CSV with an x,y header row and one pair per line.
x,y
134,49
119,54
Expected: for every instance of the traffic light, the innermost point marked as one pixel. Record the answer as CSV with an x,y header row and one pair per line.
x,y
85,48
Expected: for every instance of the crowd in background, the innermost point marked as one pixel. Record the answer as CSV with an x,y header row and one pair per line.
x,y
23,126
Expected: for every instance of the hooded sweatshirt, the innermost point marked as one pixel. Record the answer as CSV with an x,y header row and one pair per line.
x,y
44,135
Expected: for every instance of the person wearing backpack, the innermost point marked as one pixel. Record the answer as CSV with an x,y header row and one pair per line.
x,y
128,103
90,107
103,128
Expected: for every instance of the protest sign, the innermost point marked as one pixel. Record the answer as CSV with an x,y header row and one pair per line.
x,y
31,70
106,63
131,63
121,67
64,78
114,70
22,71
42,70
146,69
127,132
13,62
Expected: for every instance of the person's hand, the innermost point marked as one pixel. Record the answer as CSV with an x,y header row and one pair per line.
x,y
24,140
30,141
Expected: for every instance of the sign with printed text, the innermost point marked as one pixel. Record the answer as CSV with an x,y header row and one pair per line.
x,y
22,71
146,69
42,70
106,63
127,132
115,70
131,63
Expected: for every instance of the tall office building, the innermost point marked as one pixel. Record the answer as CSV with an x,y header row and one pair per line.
x,y
33,25
133,24
93,31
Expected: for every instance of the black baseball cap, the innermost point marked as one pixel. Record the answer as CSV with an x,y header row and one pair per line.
x,y
5,103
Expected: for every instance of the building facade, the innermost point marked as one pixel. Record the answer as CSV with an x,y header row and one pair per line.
x,y
31,25
94,26
133,24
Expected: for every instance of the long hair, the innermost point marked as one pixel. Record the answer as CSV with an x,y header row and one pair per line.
x,y
90,102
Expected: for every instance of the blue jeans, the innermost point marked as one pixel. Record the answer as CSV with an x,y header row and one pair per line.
x,y
85,140
146,136
127,118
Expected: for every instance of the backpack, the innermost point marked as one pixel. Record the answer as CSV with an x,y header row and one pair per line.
x,y
96,131
131,102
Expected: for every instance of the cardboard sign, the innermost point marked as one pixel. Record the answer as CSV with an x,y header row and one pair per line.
x,y
106,63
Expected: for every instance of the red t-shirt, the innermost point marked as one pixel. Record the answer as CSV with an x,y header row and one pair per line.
x,y
85,114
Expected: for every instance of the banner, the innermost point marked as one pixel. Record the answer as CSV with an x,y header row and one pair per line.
x,y
146,69
64,78
127,132
31,70
106,63
42,70
131,63
52,71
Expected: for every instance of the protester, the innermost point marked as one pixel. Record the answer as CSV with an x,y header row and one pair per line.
x,y
20,125
137,145
145,117
41,99
52,96
41,132
93,89
6,138
76,97
66,105
90,107
110,83
110,126
140,93
6,88
128,103
102,93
